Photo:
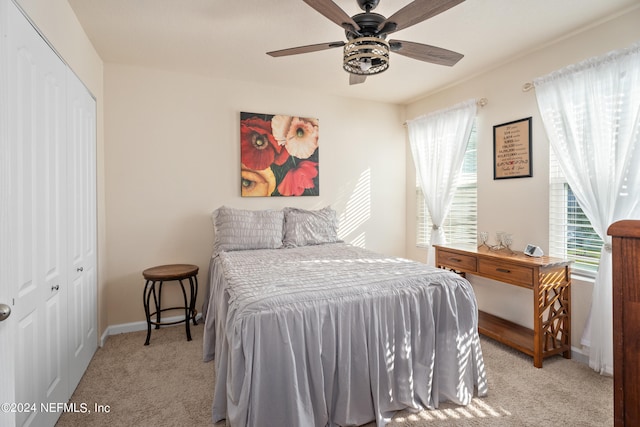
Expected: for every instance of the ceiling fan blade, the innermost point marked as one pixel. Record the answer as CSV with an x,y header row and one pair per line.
x,y
334,13
424,52
356,79
415,12
305,49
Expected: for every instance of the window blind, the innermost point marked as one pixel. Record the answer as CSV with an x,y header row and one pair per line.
x,y
570,232
460,226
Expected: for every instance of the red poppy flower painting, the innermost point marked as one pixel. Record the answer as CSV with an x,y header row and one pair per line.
x,y
278,155
259,147
299,179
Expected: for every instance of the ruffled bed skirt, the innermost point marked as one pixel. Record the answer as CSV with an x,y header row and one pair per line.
x,y
346,339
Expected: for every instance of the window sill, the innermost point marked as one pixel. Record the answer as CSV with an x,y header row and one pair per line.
x,y
583,276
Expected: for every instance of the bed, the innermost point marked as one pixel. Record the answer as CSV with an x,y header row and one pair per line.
x,y
306,330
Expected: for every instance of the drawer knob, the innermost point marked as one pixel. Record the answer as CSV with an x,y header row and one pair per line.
x,y
456,259
503,270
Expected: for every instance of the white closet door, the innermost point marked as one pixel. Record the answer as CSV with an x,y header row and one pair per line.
x,y
51,216
7,231
48,224
83,329
37,141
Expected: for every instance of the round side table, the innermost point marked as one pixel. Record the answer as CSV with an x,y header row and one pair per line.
x,y
168,273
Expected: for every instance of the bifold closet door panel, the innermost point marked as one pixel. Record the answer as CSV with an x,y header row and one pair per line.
x,y
81,167
37,137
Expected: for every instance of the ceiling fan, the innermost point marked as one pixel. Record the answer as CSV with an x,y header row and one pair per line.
x,y
366,51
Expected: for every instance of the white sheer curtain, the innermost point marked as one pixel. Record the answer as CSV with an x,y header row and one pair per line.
x,y
438,142
591,112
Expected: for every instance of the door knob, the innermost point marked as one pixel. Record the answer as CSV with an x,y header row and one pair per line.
x,y
5,311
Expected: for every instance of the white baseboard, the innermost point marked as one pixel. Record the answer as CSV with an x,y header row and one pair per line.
x,y
579,355
124,328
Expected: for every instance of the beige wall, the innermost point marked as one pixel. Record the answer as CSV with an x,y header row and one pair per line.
x,y
518,206
57,22
173,155
168,154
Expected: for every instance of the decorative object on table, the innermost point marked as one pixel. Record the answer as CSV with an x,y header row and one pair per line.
x,y
278,155
507,241
533,250
483,237
512,149
504,241
498,244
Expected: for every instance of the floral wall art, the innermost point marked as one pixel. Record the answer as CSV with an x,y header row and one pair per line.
x,y
279,155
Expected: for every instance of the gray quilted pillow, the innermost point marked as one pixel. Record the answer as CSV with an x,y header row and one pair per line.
x,y
240,229
304,227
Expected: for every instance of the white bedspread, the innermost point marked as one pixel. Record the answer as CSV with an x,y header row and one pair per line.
x,y
336,335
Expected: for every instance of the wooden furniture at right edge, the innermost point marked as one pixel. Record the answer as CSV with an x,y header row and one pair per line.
x,y
626,322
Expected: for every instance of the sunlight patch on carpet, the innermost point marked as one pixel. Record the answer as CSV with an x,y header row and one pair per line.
x,y
476,409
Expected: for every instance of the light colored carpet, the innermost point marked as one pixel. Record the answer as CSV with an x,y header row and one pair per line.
x,y
167,384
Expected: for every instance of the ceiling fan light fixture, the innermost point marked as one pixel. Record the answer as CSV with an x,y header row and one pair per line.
x,y
366,52
365,64
366,56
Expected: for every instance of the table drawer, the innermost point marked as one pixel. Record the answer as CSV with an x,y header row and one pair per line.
x,y
456,261
504,272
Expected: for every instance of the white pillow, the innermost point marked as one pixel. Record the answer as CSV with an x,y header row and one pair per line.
x,y
240,229
304,227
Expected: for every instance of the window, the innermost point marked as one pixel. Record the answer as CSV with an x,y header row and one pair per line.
x,y
460,226
570,233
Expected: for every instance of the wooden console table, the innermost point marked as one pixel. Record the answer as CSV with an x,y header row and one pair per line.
x,y
548,278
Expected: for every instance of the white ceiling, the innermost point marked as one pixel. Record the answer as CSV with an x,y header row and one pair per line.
x,y
227,39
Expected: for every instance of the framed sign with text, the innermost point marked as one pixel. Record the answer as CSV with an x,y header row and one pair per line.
x,y
512,149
